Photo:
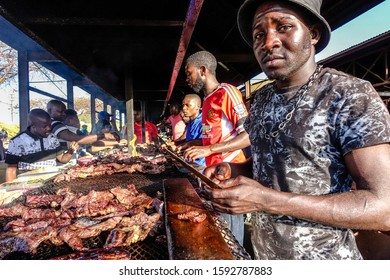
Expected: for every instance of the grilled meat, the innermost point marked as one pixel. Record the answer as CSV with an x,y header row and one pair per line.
x,y
113,163
16,210
192,216
52,200
69,218
132,229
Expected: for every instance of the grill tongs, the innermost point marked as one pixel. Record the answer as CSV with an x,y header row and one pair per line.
x,y
191,168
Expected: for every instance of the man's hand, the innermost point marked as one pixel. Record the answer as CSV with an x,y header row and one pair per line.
x,y
218,172
239,195
184,146
73,146
112,136
123,142
195,152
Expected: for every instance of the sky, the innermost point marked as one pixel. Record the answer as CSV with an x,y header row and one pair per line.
x,y
370,24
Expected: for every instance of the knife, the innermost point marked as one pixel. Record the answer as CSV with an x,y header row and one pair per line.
x,y
195,171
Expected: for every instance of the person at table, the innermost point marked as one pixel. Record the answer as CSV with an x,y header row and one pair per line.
x,y
72,121
223,117
36,147
192,104
151,131
57,112
106,123
175,121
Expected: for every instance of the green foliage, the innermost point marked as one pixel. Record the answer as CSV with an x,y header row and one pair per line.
x,y
12,129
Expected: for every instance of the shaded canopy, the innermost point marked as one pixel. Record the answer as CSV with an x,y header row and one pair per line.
x,y
144,43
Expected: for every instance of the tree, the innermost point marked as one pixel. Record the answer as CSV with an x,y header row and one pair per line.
x,y
8,64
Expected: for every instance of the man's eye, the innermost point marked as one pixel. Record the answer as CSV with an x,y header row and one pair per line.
x,y
259,35
284,28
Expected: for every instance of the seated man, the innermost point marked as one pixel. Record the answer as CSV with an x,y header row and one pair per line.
x,y
151,131
56,110
36,147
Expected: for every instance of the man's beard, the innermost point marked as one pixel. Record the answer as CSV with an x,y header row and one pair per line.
x,y
198,85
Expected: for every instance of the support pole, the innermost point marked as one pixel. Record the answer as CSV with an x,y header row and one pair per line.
x,y
24,95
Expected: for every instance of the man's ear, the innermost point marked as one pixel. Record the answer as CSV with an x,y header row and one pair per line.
x,y
315,33
202,70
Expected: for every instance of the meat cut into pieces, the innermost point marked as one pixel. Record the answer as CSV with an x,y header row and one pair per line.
x,y
71,218
16,210
132,229
52,200
192,216
113,163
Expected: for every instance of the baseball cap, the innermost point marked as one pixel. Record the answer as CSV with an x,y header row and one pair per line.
x,y
103,115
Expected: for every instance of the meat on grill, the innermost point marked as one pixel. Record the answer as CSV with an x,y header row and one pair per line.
x,y
192,216
52,200
113,163
16,210
74,233
76,217
132,229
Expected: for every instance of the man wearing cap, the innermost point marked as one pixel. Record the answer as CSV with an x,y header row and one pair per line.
x,y
313,131
104,124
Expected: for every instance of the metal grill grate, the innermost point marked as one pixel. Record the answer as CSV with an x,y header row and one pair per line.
x,y
149,249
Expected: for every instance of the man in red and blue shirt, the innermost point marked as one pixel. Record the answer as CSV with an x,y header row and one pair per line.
x,y
223,117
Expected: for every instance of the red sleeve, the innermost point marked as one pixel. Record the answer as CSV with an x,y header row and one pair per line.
x,y
234,108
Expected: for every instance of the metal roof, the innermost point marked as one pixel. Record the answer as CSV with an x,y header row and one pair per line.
x,y
144,43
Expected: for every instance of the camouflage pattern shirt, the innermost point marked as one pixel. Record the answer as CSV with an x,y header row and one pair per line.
x,y
337,114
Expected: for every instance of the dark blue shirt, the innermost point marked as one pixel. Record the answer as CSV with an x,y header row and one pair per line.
x,y
194,131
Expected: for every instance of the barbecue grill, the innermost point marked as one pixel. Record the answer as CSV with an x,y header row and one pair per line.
x,y
148,249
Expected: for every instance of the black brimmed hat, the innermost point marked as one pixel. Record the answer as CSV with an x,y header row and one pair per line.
x,y
248,9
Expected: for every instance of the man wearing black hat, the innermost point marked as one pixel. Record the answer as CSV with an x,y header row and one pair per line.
x,y
313,132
